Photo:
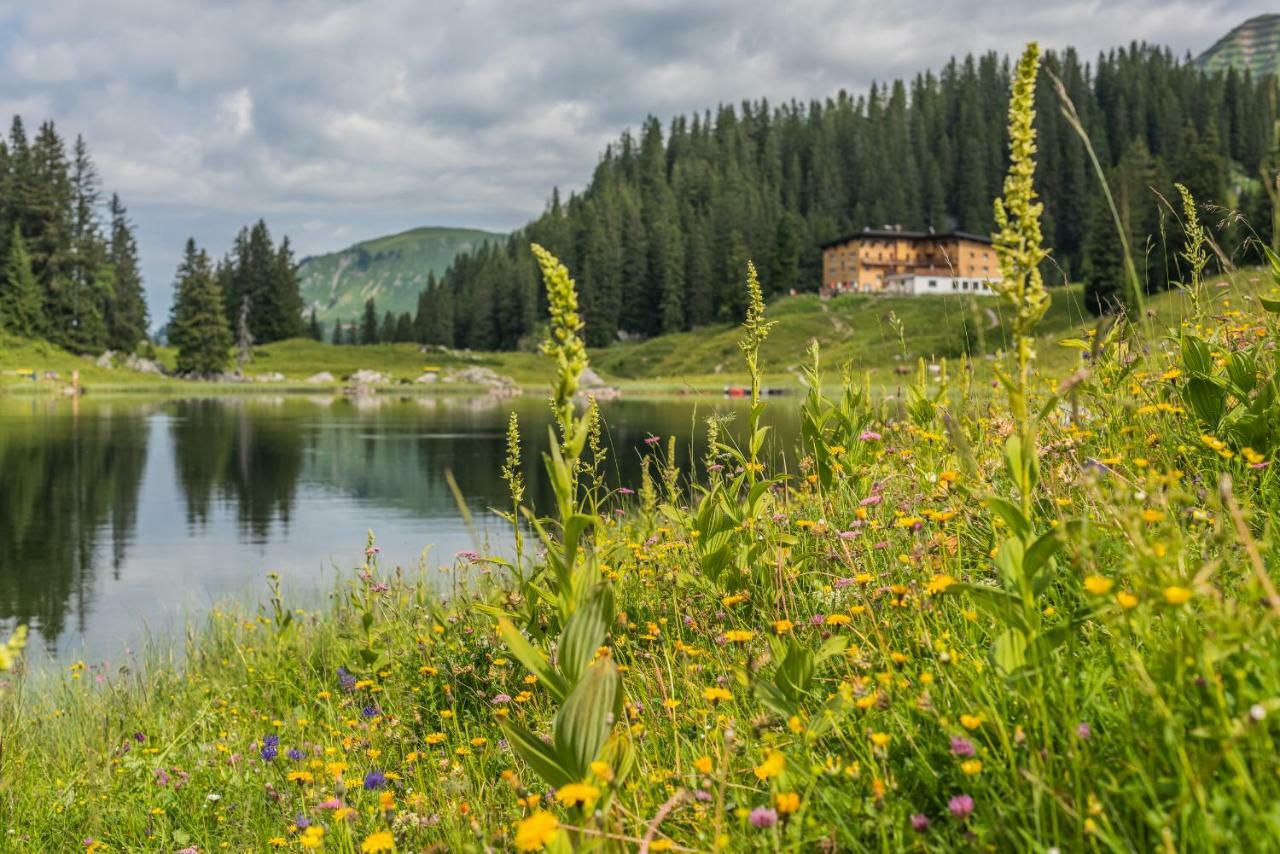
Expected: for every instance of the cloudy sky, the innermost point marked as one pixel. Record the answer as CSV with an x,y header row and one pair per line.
x,y
338,121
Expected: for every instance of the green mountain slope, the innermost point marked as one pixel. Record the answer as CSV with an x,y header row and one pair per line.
x,y
1254,45
392,270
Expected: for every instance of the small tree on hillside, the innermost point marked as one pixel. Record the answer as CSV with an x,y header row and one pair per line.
x,y
369,325
21,311
316,333
198,325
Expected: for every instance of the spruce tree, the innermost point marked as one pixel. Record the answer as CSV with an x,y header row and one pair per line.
x,y
127,309
198,325
21,309
369,325
313,327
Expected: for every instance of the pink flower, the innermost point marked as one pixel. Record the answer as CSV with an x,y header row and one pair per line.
x,y
961,806
763,817
869,436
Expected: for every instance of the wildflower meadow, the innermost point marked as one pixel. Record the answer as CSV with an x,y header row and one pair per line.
x,y
1010,610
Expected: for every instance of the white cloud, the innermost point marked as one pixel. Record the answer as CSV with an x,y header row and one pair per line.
x,y
337,120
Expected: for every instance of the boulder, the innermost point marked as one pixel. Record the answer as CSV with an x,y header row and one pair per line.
x,y
477,375
143,365
591,385
365,376
428,378
322,378
106,360
269,377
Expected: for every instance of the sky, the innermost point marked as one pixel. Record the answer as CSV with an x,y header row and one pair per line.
x,y
339,121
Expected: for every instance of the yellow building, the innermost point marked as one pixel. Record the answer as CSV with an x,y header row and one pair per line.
x,y
863,262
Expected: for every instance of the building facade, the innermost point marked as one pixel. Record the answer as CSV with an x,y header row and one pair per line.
x,y
922,284
866,261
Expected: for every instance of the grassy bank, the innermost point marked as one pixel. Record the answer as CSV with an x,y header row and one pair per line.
x,y
884,336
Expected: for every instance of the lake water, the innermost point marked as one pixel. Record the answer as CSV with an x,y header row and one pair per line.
x,y
122,518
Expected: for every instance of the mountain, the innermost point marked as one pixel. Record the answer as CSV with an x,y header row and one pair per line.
x,y
392,270
1254,45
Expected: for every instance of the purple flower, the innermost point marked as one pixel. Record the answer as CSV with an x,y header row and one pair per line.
x,y
763,817
817,619
295,754
652,440
869,436
501,698
961,806
961,746
301,822
702,796
370,711
919,822
848,535
162,779
870,501
1083,730
346,681
626,490
270,747
375,780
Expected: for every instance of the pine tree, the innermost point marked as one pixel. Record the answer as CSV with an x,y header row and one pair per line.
x,y
337,333
313,327
127,309
21,311
198,325
387,331
404,328
369,326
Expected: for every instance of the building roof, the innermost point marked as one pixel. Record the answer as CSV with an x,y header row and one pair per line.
x,y
895,234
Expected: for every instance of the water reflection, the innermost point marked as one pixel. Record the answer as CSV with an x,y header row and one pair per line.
x,y
118,517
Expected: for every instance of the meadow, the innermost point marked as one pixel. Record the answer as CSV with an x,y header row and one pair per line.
x,y
1031,608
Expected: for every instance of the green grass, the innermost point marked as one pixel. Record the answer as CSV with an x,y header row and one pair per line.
x,y
852,330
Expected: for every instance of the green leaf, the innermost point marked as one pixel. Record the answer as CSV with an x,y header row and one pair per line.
x,y
1271,305
585,631
1207,399
833,646
795,673
1242,368
1195,355
532,659
1009,652
998,603
539,755
1011,514
1042,551
582,725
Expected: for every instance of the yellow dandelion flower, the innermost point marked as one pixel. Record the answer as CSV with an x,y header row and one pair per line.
x,y
773,765
378,842
536,831
1178,595
1098,585
703,764
577,794
786,802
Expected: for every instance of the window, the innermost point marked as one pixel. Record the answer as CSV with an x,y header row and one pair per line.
x,y
933,283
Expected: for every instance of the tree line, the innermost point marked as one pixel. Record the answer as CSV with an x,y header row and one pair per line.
x,y
68,255
251,296
661,233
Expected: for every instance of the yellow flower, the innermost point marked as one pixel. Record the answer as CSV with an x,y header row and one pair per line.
x,y
786,802
735,599
881,739
378,842
703,764
1098,585
575,794
602,770
1150,515
1178,595
739,635
971,766
939,583
1126,599
661,845
715,694
300,777
312,837
536,831
773,765
970,721
782,626
838,619
435,738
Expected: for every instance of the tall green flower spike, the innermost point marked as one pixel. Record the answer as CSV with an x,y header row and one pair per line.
x,y
564,342
1018,240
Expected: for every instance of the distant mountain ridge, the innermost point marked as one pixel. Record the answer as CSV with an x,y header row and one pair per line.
x,y
391,269
1254,45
